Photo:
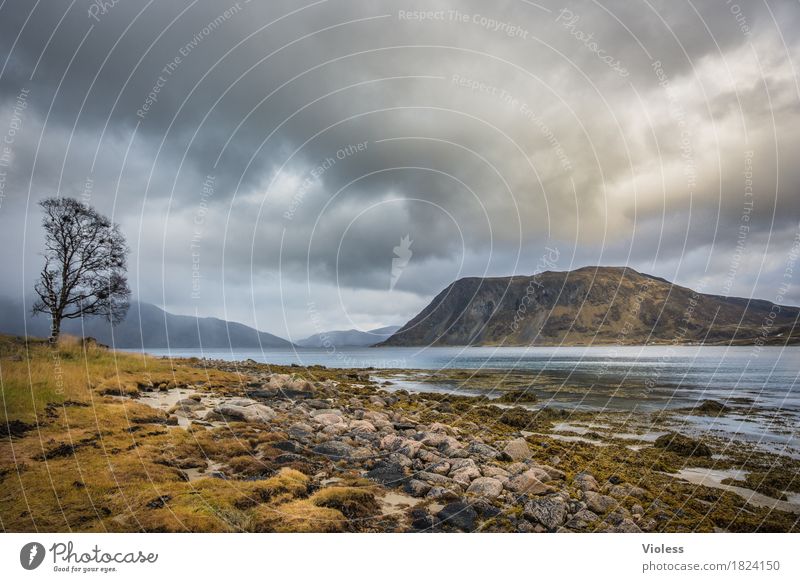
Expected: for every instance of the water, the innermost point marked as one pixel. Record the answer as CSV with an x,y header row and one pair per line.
x,y
761,385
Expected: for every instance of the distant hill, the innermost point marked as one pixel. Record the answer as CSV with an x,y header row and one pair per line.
x,y
592,305
348,338
145,326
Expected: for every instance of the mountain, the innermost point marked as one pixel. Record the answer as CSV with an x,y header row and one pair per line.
x,y
592,305
145,326
348,338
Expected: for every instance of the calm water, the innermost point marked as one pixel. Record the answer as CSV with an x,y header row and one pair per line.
x,y
762,384
649,373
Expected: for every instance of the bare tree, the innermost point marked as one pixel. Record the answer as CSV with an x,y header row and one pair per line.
x,y
84,265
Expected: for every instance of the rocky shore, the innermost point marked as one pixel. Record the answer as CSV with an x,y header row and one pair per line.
x,y
448,463
136,443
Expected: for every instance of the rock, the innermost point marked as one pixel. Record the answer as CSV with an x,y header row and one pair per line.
x,y
549,511
486,487
459,464
582,519
407,447
710,408
527,482
627,490
428,456
626,526
289,458
400,459
334,450
319,411
586,482
485,509
287,446
682,445
300,431
517,450
249,412
443,428
387,473
458,515
637,510
552,472
404,425
377,401
450,446
362,426
188,404
492,471
434,478
421,519
438,493
317,404
375,416
598,502
465,475
417,488
483,451
539,473
328,419
440,467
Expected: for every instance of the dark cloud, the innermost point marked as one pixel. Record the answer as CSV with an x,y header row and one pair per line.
x,y
488,135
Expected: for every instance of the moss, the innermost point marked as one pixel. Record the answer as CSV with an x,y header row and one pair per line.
x,y
682,445
352,502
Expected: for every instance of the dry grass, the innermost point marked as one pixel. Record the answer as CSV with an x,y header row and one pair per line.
x,y
82,460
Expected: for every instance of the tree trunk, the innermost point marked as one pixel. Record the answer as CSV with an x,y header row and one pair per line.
x,y
55,328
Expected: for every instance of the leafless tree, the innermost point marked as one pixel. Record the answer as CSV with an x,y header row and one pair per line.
x,y
84,265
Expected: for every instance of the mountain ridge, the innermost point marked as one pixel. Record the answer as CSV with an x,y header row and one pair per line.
x,y
348,337
146,326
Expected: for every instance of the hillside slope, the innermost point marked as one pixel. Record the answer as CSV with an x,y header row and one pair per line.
x,y
592,305
145,326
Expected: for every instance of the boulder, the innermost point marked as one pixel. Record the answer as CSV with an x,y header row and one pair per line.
x,y
483,451
387,473
582,519
598,502
527,482
517,450
438,493
417,488
627,490
626,526
682,445
246,411
492,471
466,475
550,512
334,450
434,478
362,426
586,482
486,487
458,515
329,419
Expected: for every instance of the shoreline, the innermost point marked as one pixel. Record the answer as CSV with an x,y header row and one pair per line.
x,y
200,445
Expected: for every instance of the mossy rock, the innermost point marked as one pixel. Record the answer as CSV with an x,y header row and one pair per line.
x,y
682,445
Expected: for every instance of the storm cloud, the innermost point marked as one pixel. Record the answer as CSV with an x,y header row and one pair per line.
x,y
266,159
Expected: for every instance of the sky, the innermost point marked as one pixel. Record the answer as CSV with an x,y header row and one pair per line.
x,y
313,165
